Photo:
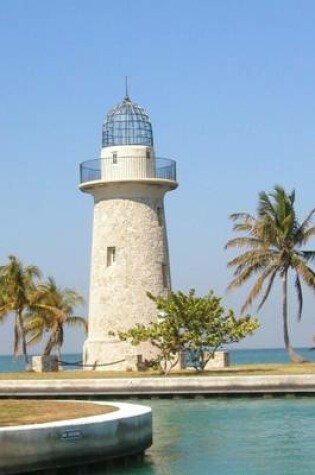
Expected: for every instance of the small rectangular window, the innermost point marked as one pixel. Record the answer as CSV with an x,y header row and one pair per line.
x,y
115,158
160,216
164,276
148,153
111,256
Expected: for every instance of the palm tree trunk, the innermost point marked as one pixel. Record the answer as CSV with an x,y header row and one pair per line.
x,y
23,336
60,367
293,356
49,346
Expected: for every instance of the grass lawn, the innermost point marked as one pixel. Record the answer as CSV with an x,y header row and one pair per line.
x,y
20,412
235,370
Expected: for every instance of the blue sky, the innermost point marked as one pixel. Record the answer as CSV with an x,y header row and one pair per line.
x,y
229,87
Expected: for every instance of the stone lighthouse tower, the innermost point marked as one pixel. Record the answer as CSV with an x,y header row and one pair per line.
x,y
129,245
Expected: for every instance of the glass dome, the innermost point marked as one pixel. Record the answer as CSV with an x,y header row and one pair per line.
x,y
127,124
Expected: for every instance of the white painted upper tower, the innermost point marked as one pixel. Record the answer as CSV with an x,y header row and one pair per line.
x,y
129,245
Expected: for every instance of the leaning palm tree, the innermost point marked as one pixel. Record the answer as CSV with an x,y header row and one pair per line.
x,y
273,243
17,287
57,308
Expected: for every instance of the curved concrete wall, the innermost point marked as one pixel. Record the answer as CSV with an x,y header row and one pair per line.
x,y
90,439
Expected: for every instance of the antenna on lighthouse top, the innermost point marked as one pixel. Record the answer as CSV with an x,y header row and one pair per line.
x,y
126,84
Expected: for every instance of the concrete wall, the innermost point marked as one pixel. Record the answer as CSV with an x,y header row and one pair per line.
x,y
90,439
164,385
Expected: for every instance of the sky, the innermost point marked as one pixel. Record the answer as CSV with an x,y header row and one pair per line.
x,y
229,87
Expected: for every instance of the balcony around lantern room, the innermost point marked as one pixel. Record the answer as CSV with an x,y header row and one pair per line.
x,y
127,168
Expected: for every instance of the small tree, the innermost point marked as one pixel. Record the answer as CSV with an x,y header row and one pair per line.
x,y
199,325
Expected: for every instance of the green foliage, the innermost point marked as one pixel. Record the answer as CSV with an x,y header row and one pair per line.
x,y
37,307
274,243
54,309
17,290
189,323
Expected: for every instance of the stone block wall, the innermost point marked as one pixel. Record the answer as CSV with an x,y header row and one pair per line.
x,y
221,360
42,364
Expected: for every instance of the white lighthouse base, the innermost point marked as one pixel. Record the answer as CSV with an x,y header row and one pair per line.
x,y
116,356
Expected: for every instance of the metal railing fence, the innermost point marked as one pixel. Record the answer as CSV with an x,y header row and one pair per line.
x,y
122,168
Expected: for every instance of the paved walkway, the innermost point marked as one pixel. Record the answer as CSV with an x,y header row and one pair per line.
x,y
163,386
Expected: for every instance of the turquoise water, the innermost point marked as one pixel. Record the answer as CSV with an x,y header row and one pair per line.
x,y
239,437
226,437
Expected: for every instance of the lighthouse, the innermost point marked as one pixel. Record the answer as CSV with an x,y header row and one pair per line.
x,y
130,254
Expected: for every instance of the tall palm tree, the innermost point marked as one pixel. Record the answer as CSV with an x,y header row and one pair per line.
x,y
17,287
273,243
57,308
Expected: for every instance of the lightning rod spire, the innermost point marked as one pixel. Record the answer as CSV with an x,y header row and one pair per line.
x,y
126,85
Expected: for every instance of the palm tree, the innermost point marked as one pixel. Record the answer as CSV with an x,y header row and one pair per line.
x,y
273,247
17,287
57,308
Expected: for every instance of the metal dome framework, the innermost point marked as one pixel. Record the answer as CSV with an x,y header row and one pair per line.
x,y
127,124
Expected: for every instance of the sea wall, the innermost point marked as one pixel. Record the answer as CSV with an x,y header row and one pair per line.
x,y
155,386
127,431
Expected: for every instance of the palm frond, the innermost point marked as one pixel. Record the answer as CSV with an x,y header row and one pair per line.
x,y
269,287
305,237
77,321
257,288
250,257
304,227
5,309
308,255
265,207
305,272
35,338
245,275
34,322
242,216
244,242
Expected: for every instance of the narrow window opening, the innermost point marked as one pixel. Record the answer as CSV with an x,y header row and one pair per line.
x,y
160,216
148,153
115,155
164,276
111,256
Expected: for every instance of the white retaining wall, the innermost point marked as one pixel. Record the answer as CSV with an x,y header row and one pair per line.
x,y
90,439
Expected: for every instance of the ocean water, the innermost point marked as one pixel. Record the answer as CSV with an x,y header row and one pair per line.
x,y
252,356
8,364
269,355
